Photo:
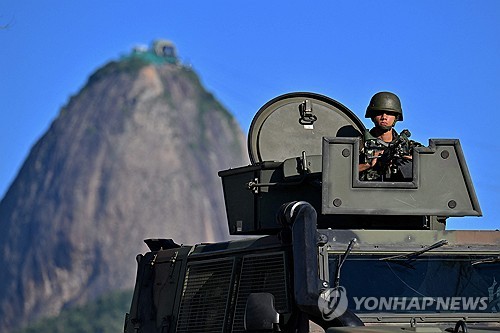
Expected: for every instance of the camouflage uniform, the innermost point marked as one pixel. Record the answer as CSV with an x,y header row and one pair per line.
x,y
390,166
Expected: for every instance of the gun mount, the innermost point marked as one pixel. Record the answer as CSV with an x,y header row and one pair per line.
x,y
317,161
336,250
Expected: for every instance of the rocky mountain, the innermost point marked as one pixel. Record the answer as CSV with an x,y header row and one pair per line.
x,y
133,155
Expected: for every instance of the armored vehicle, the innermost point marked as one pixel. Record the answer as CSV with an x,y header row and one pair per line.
x,y
324,248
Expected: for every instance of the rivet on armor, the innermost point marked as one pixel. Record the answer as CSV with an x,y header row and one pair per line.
x,y
445,154
337,202
346,152
452,204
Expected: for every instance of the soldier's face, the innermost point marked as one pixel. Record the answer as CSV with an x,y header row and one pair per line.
x,y
384,119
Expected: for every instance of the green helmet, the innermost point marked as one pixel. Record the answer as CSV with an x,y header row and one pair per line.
x,y
384,101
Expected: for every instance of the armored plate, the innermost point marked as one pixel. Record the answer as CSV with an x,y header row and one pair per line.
x,y
441,183
294,123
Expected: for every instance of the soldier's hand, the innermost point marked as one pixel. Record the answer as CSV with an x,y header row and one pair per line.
x,y
376,155
373,161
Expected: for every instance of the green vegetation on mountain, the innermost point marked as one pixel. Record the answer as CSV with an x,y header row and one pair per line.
x,y
104,315
131,65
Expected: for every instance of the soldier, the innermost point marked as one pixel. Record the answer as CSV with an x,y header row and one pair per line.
x,y
386,155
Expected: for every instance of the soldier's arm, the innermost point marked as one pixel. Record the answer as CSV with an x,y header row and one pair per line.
x,y
364,167
370,163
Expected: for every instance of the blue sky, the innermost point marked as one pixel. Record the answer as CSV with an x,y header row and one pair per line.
x,y
441,57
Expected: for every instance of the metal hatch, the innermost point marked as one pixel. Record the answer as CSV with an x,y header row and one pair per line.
x,y
292,123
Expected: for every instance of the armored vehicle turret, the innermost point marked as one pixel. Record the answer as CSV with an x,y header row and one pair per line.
x,y
333,251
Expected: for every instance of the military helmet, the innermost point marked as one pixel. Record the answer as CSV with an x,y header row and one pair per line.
x,y
384,101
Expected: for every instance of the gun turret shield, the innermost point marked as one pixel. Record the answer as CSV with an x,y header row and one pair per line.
x,y
293,123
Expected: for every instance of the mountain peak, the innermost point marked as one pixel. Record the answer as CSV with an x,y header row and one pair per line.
x,y
133,155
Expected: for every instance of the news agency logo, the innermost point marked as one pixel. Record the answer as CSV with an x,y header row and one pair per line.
x,y
333,303
412,304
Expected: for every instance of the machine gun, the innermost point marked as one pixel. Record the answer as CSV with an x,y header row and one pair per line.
x,y
391,164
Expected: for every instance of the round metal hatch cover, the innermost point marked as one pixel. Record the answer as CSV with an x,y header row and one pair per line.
x,y
292,123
